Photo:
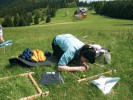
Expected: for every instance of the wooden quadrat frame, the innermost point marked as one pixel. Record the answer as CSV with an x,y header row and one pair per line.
x,y
32,97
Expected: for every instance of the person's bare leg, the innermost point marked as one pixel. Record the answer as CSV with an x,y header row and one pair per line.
x,y
1,39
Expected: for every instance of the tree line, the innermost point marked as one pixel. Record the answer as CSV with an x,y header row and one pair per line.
x,y
25,12
117,8
24,6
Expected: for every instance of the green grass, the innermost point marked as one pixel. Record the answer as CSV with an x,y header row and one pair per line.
x,y
114,34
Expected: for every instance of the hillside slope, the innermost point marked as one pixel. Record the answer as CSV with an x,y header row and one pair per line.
x,y
114,34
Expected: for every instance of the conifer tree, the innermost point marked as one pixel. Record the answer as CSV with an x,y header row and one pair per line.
x,y
52,13
22,21
29,14
7,22
27,21
36,19
42,18
16,20
30,19
48,19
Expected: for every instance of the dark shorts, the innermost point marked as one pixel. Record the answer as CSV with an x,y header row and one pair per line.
x,y
57,51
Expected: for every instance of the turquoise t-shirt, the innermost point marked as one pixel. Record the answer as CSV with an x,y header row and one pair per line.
x,y
70,45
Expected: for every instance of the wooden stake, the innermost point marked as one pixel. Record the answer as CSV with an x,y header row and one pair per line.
x,y
91,77
35,83
36,96
41,93
74,75
31,97
25,74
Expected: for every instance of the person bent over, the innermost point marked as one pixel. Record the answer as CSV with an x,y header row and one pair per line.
x,y
67,48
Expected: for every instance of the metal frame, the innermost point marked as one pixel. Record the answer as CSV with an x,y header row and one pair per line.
x,y
4,48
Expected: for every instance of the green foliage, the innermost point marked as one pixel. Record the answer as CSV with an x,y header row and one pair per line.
x,y
72,5
42,18
30,17
51,11
82,4
99,7
16,20
22,21
38,12
25,6
22,7
36,19
7,22
48,19
117,9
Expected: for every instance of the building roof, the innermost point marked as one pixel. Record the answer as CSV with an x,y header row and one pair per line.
x,y
83,9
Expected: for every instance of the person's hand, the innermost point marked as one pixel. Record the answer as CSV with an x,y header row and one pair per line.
x,y
81,68
85,65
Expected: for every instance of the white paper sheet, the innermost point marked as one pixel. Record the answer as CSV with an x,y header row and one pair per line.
x,y
105,84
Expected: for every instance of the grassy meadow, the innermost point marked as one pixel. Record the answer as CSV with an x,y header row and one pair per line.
x,y
114,34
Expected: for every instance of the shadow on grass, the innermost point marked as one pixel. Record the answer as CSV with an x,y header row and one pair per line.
x,y
21,65
123,25
10,66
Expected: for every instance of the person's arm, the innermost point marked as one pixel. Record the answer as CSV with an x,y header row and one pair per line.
x,y
75,68
1,38
83,67
65,59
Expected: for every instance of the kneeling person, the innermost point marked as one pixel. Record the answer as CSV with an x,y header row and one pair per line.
x,y
70,49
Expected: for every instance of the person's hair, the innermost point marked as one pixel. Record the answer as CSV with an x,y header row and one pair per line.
x,y
89,53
